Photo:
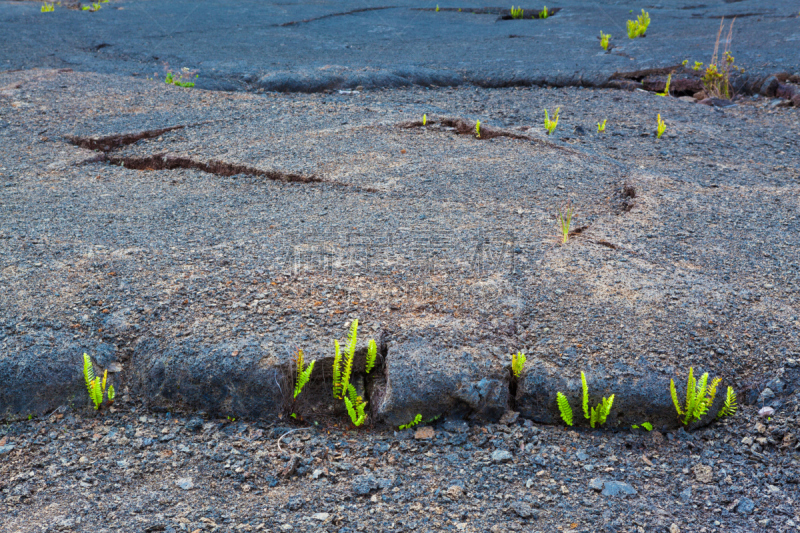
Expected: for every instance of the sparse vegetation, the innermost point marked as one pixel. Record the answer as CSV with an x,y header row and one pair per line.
x,y
342,371
601,126
637,28
697,65
597,415
424,119
355,406
96,386
182,79
564,222
372,353
717,76
564,408
604,37
550,125
666,89
303,373
730,407
437,8
95,6
661,127
517,363
417,420
48,8
516,13
478,129
699,397
645,425
543,14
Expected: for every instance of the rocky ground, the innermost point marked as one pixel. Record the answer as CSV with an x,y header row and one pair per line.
x,y
135,470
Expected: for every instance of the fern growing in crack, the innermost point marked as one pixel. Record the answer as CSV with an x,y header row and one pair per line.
x,y
417,420
355,406
343,366
372,353
337,372
699,397
596,415
96,386
564,408
730,407
303,374
518,364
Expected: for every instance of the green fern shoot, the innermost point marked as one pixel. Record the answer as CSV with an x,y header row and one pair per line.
x,y
424,119
550,125
646,425
666,89
417,420
372,353
355,406
601,126
543,14
564,408
516,12
337,371
730,407
303,373
478,129
95,386
597,415
517,363
699,397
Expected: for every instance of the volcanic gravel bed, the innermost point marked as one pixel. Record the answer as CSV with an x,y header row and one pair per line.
x,y
135,470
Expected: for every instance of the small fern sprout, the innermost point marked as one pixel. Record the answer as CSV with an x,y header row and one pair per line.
x,y
661,127
550,125
372,353
730,407
355,406
516,12
599,413
604,37
543,14
699,397
585,388
517,363
48,8
337,371
697,65
478,129
424,119
644,425
96,386
437,8
685,62
417,420
303,373
601,126
666,89
564,222
564,408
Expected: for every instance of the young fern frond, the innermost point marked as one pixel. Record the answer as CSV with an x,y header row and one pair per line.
x,y
730,407
111,393
417,420
337,371
372,354
88,372
585,396
674,393
666,89
564,408
517,364
355,406
303,374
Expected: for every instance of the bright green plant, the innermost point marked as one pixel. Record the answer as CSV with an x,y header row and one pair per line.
x,y
638,27
182,79
303,373
699,397
543,13
550,125
646,425
601,126
342,368
666,89
417,420
372,353
684,62
697,65
48,8
517,363
564,222
604,37
355,406
478,129
96,386
437,8
564,408
516,13
661,127
730,407
424,119
717,76
94,7
597,415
